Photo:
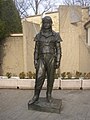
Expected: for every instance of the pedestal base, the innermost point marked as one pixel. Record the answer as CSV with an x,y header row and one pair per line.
x,y
43,106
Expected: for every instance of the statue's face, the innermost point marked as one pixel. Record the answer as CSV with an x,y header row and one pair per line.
x,y
47,25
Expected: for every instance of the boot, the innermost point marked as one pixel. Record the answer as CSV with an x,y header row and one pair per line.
x,y
35,97
49,98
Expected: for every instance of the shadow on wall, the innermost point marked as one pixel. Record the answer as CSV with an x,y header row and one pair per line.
x,y
2,54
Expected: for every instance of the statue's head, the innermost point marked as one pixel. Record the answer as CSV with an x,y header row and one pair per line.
x,y
47,22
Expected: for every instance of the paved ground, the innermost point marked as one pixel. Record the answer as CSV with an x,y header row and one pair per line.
x,y
13,105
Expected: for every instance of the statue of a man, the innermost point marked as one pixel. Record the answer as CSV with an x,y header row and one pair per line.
x,y
47,56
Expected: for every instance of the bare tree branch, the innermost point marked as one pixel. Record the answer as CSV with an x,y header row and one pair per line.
x,y
77,2
39,2
34,6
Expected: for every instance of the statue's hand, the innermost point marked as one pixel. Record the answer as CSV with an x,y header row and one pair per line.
x,y
36,64
57,65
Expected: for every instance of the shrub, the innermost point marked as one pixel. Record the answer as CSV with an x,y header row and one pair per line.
x,y
84,75
30,75
34,75
69,75
8,74
10,21
63,75
22,75
78,74
56,75
88,75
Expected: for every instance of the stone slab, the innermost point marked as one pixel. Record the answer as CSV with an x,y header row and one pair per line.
x,y
71,84
26,83
43,106
8,83
86,84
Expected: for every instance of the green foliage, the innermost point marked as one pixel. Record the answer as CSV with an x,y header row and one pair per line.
x,y
10,21
30,75
34,75
78,74
84,75
22,75
63,75
69,75
87,76
56,75
2,30
8,74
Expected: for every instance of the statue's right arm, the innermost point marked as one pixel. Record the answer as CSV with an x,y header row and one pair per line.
x,y
36,53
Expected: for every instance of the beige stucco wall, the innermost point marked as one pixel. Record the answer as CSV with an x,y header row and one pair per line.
x,y
29,31
75,52
53,15
84,48
70,45
88,32
13,55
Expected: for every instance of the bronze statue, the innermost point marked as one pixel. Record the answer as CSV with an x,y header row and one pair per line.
x,y
47,56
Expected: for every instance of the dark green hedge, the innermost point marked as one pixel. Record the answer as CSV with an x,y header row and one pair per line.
x,y
10,21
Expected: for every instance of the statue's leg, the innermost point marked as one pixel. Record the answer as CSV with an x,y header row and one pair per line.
x,y
40,77
50,78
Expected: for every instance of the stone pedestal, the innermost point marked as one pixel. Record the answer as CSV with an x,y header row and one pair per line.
x,y
43,106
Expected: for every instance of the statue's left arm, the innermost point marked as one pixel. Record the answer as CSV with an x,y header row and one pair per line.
x,y
58,50
36,52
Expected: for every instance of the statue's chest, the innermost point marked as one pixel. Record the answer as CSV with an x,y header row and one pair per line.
x,y
48,39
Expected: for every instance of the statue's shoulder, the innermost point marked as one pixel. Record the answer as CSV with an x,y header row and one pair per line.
x,y
37,37
57,36
55,33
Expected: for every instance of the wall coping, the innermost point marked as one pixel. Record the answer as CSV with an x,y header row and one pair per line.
x,y
16,35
